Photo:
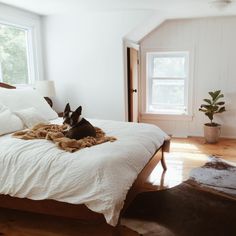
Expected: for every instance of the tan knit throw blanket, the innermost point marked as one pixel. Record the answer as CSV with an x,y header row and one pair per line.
x,y
55,134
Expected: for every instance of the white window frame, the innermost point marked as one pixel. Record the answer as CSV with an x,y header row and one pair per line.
x,y
1,72
29,52
188,86
32,23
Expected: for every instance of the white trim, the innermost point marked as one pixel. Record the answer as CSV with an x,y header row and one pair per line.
x,y
131,44
32,23
150,56
0,72
190,72
153,116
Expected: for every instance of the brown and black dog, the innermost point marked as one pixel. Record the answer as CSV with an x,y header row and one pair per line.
x,y
78,127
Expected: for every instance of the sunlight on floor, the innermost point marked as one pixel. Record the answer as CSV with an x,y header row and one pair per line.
x,y
172,177
187,146
179,164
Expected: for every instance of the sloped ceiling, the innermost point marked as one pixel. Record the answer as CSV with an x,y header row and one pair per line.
x,y
160,9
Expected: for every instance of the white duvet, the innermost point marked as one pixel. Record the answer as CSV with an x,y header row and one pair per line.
x,y
98,177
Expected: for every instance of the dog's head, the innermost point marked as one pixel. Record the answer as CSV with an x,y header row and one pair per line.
x,y
71,118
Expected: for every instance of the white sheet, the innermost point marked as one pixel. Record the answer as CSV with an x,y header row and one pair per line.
x,y
99,177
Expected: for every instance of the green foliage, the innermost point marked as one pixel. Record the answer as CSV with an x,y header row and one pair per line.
x,y
13,55
213,105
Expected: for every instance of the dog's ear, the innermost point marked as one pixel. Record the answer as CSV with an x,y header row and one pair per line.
x,y
76,114
67,109
78,110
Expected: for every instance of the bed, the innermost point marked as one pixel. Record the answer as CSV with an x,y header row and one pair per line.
x,y
96,183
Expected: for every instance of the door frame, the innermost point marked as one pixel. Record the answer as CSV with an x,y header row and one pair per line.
x,y
129,44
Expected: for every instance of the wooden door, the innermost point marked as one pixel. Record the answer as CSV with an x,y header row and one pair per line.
x,y
132,60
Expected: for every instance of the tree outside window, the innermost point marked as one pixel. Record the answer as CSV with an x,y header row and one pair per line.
x,y
13,55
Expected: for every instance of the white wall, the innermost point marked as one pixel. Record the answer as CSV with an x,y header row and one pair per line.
x,y
213,42
84,56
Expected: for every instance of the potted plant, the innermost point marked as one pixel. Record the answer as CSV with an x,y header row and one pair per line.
x,y
213,106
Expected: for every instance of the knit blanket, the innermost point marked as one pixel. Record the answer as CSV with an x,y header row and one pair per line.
x,y
56,133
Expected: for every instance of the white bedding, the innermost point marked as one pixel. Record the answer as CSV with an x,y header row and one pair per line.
x,y
98,177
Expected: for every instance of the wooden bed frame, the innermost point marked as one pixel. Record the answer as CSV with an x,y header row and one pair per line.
x,y
80,211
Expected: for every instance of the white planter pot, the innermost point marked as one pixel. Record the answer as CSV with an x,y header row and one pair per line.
x,y
212,133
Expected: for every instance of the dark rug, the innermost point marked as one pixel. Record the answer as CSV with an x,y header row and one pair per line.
x,y
191,208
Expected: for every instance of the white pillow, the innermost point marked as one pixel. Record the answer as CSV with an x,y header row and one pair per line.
x,y
30,117
18,99
9,122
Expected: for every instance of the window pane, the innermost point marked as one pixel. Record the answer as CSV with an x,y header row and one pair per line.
x,y
13,55
169,66
167,95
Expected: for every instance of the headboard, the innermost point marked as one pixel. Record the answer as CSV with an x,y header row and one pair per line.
x,y
8,86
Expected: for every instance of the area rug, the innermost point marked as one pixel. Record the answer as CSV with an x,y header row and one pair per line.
x,y
205,204
217,175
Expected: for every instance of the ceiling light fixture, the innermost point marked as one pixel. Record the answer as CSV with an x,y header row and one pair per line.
x,y
220,4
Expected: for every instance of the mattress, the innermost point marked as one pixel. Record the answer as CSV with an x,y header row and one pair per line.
x,y
99,177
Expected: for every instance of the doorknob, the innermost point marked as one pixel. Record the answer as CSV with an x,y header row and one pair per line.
x,y
134,90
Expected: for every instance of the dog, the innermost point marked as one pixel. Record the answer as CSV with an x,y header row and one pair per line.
x,y
78,127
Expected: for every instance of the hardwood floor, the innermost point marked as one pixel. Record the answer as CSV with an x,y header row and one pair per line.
x,y
185,154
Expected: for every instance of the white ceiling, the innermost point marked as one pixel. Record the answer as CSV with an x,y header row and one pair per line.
x,y
159,10
49,7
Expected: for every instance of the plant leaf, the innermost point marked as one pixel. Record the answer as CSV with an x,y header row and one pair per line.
x,y
215,108
212,105
216,94
207,100
222,109
212,95
218,97
206,106
220,103
209,115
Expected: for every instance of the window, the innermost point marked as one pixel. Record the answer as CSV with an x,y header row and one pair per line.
x,y
167,83
14,56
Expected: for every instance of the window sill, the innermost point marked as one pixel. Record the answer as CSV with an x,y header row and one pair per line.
x,y
154,116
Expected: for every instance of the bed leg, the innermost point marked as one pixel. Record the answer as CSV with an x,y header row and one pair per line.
x,y
163,162
165,148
